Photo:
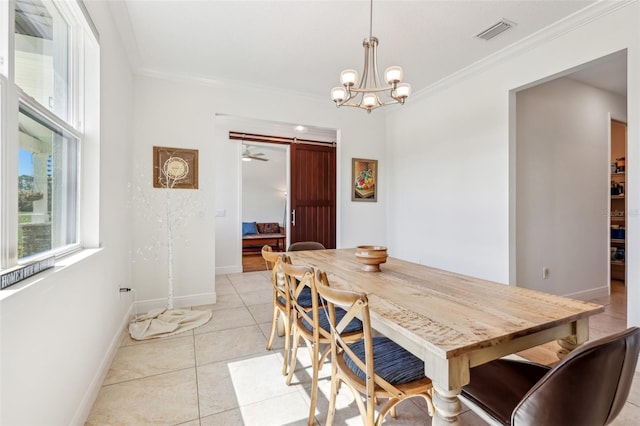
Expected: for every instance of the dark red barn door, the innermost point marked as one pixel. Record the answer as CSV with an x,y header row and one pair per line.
x,y
313,194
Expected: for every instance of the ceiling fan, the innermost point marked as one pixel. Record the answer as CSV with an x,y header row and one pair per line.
x,y
248,155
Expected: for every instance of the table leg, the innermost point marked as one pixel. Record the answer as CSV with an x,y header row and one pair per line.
x,y
447,406
567,344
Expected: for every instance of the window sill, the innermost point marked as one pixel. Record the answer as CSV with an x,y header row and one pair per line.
x,y
61,264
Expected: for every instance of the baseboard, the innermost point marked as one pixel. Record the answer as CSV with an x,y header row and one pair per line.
x,y
590,294
178,302
224,270
84,409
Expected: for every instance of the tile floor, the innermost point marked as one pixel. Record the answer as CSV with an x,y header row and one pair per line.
x,y
221,373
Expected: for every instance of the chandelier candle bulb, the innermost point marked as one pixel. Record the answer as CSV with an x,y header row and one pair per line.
x,y
369,100
349,77
338,94
403,90
394,74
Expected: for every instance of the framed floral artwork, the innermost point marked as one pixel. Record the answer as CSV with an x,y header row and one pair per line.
x,y
364,182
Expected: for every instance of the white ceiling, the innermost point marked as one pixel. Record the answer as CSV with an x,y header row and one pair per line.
x,y
302,46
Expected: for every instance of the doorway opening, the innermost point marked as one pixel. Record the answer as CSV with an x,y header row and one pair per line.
x,y
562,177
311,174
264,201
618,209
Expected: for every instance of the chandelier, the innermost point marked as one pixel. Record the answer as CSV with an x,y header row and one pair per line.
x,y
370,93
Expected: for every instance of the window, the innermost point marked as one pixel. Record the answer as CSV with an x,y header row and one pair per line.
x,y
42,107
41,54
47,186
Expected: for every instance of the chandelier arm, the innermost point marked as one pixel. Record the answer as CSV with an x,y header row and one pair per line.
x,y
371,89
374,66
392,101
365,73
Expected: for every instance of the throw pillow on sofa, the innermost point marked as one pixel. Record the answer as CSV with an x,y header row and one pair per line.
x,y
268,228
249,228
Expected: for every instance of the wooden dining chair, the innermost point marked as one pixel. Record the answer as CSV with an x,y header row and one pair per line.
x,y
306,245
310,324
281,301
269,256
588,387
373,367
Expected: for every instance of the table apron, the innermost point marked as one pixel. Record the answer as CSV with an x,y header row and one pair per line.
x,y
453,373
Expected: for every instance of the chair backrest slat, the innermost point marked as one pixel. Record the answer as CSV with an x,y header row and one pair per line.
x,y
273,260
297,278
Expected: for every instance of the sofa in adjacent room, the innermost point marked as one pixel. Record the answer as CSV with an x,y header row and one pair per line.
x,y
257,234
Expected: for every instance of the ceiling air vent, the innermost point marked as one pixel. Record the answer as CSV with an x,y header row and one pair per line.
x,y
495,29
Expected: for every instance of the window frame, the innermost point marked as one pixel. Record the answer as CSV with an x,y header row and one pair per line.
x,y
82,35
65,129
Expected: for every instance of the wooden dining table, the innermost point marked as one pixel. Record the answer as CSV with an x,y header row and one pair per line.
x,y
452,321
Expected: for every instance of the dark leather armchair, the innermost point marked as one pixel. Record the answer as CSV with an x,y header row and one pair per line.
x,y
588,387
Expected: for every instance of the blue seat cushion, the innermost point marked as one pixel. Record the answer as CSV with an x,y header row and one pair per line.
x,y
304,299
353,326
391,362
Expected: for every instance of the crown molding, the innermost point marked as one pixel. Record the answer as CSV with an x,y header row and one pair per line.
x,y
576,20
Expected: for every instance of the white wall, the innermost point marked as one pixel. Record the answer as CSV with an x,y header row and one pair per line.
x,y
562,187
59,330
449,153
214,244
264,185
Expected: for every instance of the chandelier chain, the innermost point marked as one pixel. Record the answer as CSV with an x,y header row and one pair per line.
x,y
370,19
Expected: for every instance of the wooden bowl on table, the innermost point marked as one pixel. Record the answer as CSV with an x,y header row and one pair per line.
x,y
371,257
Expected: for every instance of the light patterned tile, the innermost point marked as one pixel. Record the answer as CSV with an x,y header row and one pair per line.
x,y
469,418
224,287
227,318
239,279
154,357
629,416
256,284
634,393
222,278
224,301
257,297
261,312
169,398
289,409
215,389
226,418
258,378
229,344
278,341
195,422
